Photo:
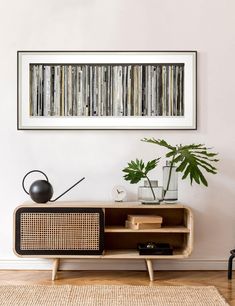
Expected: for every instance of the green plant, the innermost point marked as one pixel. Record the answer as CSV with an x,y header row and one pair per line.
x,y
191,160
137,170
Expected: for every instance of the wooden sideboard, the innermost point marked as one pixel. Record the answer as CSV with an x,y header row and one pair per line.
x,y
52,231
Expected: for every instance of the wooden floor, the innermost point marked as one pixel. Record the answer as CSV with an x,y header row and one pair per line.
x,y
170,278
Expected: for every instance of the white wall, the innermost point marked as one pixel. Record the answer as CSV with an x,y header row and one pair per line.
x,y
205,26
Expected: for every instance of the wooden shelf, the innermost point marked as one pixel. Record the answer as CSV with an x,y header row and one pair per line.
x,y
165,229
134,254
106,204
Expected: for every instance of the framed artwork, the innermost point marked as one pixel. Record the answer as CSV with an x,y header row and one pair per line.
x,y
106,90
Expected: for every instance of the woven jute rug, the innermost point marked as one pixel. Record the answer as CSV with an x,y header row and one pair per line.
x,y
38,295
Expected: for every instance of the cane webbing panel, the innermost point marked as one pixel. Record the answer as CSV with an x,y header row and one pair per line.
x,y
55,231
59,232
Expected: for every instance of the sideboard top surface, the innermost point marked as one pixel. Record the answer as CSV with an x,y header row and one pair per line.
x,y
104,204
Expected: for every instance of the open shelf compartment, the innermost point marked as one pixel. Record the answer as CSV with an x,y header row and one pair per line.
x,y
176,230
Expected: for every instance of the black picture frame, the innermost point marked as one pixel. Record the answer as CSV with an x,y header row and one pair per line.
x,y
25,122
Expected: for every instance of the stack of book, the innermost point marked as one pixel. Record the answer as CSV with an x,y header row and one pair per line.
x,y
143,222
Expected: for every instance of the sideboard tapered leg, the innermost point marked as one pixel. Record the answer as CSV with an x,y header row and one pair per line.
x,y
55,267
150,269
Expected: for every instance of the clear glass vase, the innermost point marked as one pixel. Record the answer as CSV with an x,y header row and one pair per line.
x,y
145,193
170,183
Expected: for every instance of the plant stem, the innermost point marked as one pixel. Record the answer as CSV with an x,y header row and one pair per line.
x,y
150,185
169,177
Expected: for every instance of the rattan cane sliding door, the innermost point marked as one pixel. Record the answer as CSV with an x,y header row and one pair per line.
x,y
59,231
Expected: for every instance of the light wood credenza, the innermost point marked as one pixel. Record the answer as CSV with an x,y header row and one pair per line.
x,y
97,230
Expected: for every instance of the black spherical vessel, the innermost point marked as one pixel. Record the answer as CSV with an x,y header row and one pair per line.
x,y
41,191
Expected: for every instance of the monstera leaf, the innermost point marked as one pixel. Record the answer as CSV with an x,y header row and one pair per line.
x,y
191,159
137,170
